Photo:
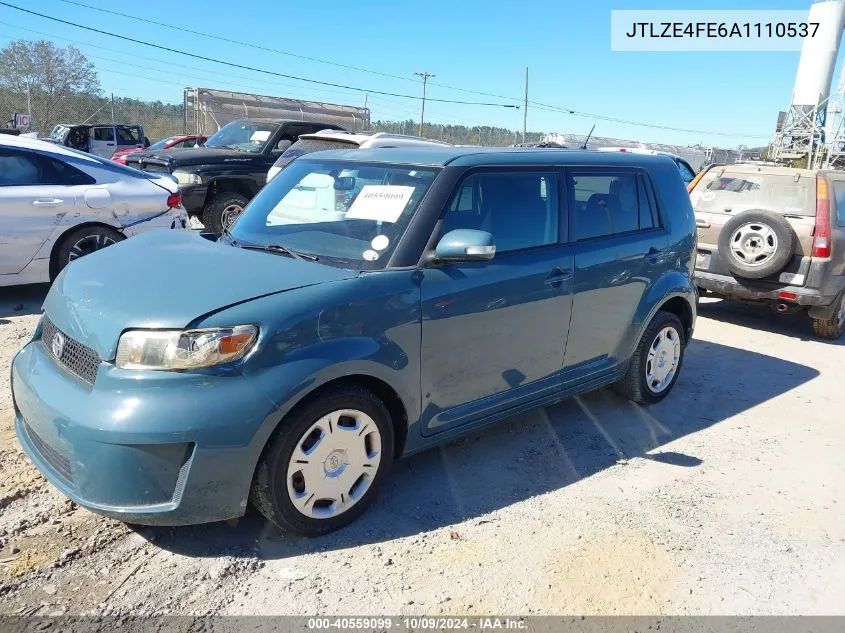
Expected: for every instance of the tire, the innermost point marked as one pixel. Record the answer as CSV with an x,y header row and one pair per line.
x,y
80,242
222,210
276,481
635,384
833,327
756,244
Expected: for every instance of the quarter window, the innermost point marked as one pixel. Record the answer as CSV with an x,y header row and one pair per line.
x,y
606,204
518,208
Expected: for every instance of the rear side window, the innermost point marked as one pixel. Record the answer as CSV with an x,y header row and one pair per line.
x,y
605,204
31,169
730,191
104,134
307,146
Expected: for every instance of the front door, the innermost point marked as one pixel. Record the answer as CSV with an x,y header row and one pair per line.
x,y
620,254
31,205
494,333
102,142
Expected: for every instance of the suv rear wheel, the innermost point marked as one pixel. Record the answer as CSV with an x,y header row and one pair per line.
x,y
833,327
222,211
656,362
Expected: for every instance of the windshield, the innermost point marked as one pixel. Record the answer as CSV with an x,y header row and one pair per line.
x,y
347,213
243,136
163,142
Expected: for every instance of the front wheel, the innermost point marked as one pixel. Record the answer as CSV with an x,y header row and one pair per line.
x,y
833,327
222,211
325,463
656,362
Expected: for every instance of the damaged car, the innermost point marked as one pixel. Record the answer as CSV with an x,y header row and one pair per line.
x,y
58,204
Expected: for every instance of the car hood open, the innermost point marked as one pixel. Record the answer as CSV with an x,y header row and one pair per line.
x,y
167,279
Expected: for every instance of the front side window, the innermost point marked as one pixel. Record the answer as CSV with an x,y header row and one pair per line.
x,y
345,213
518,208
104,134
686,173
605,204
128,136
243,136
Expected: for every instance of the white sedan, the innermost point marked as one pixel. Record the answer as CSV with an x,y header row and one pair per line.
x,y
57,204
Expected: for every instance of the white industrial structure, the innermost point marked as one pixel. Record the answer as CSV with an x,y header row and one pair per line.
x,y
802,132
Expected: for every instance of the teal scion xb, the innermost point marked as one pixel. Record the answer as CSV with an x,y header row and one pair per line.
x,y
367,305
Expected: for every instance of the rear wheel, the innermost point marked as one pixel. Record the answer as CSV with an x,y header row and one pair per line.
x,y
80,242
325,463
656,362
221,212
833,327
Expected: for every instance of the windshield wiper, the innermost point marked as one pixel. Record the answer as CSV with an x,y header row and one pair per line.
x,y
278,249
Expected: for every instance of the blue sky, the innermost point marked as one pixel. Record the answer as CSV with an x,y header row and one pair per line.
x,y
471,44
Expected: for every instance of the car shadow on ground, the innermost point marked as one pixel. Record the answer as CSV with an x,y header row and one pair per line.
x,y
796,325
524,456
21,300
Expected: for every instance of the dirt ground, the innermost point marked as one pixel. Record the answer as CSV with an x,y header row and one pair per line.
x,y
727,498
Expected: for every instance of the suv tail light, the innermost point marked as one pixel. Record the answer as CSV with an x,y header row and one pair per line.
x,y
174,200
821,233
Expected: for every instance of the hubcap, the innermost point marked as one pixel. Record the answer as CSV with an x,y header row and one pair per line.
x,y
662,361
334,463
88,245
230,214
754,243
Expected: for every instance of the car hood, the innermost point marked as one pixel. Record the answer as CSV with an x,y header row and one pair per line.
x,y
167,279
184,157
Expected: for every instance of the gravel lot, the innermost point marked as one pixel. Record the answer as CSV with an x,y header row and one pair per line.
x,y
727,498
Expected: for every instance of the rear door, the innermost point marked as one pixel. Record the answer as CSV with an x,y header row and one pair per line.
x,y
103,141
620,255
33,199
724,192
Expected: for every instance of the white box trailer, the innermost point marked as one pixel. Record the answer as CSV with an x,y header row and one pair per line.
x,y
207,110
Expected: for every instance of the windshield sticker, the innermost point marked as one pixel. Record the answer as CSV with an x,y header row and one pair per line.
x,y
260,135
382,203
380,242
369,255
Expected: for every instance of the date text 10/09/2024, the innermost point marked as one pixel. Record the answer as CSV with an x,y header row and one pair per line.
x,y
418,623
722,29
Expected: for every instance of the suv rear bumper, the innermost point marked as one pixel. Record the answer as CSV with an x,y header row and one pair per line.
x,y
731,288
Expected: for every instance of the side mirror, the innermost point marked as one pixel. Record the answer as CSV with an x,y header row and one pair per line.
x,y
146,142
465,245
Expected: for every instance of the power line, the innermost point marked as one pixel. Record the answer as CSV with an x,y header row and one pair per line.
x,y
242,66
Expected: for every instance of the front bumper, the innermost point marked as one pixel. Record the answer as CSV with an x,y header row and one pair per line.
x,y
157,448
193,197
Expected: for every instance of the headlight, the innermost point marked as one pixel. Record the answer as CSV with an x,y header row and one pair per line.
x,y
187,178
184,349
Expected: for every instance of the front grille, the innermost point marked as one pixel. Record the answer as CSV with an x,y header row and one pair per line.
x,y
80,360
59,462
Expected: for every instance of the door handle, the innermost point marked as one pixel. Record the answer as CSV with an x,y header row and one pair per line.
x,y
47,202
557,276
653,256
704,224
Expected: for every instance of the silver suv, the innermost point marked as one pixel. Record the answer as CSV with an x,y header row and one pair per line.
x,y
775,235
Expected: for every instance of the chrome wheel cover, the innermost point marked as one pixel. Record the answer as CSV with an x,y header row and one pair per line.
x,y
334,463
230,214
754,243
88,245
664,354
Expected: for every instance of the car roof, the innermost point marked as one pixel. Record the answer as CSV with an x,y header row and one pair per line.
x,y
371,139
639,150
434,155
25,142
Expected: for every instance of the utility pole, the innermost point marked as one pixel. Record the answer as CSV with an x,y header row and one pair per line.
x,y
525,107
29,105
112,109
425,75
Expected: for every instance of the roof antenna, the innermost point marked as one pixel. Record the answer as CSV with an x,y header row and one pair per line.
x,y
584,146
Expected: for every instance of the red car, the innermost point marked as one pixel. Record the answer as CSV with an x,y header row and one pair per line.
x,y
171,142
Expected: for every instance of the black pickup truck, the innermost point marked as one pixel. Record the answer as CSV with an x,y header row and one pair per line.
x,y
217,180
